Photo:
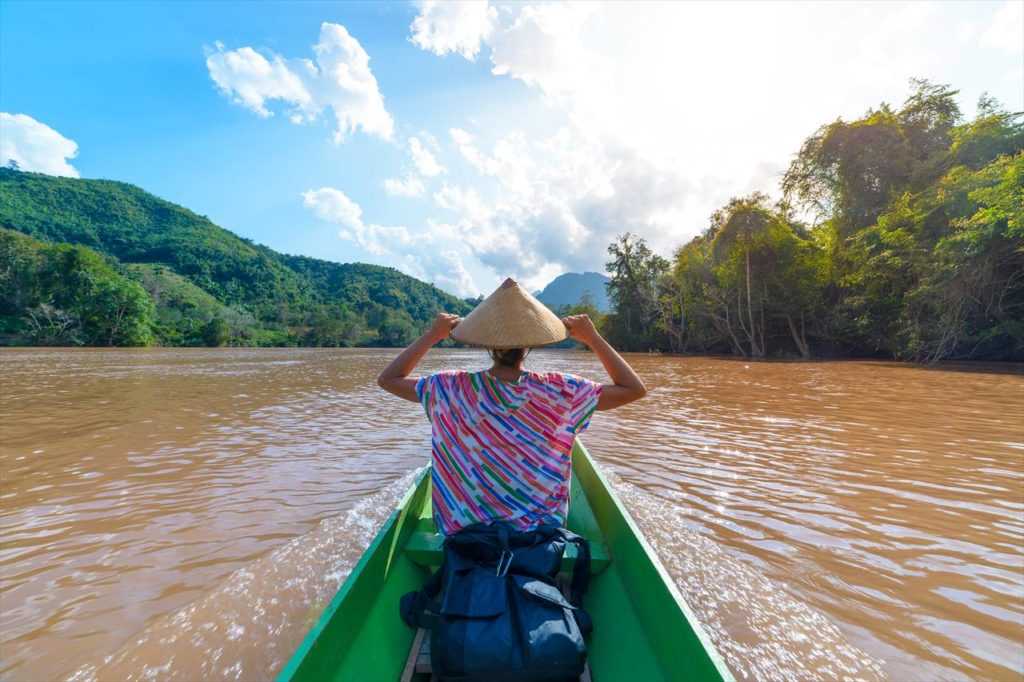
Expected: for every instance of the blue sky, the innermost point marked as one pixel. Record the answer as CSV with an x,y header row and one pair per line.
x,y
518,139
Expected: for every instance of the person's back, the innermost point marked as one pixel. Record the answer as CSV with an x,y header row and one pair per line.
x,y
502,438
502,450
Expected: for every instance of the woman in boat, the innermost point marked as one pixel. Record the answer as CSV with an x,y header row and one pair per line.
x,y
502,438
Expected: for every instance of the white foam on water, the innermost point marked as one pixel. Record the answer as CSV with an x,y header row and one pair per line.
x,y
761,630
249,626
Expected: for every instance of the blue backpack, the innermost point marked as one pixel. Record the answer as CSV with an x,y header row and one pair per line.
x,y
501,616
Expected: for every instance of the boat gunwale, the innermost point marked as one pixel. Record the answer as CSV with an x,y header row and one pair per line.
x,y
698,630
300,653
587,471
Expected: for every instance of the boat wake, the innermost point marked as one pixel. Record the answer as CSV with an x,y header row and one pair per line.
x,y
761,631
273,601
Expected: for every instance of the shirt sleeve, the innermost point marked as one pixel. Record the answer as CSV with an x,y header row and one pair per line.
x,y
434,391
426,390
584,395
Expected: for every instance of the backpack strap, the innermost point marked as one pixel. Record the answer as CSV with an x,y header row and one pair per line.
x,y
419,609
580,579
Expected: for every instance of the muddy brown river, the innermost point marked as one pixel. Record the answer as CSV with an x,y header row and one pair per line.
x,y
186,513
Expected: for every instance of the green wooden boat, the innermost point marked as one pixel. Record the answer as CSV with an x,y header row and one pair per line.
x,y
643,630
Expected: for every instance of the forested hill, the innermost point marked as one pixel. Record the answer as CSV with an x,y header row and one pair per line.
x,y
108,263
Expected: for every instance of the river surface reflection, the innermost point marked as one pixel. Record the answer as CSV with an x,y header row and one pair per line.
x,y
185,513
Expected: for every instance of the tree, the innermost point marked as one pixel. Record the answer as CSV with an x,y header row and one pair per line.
x,y
701,325
970,296
19,268
121,313
398,329
738,232
113,309
49,326
635,271
216,333
890,190
846,173
751,281
336,327
993,134
796,276
240,322
586,305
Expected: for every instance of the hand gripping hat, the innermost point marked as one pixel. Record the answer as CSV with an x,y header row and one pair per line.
x,y
510,318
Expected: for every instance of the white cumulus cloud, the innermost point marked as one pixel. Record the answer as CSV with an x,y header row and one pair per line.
x,y
443,26
250,79
411,186
332,205
663,111
556,204
35,146
443,267
425,165
340,81
465,202
510,161
544,47
425,162
430,255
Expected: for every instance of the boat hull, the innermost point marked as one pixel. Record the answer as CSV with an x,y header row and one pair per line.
x,y
643,628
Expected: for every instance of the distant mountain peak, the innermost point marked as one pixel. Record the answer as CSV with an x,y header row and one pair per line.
x,y
568,288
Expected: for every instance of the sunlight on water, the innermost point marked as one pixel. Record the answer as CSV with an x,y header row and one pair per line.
x,y
274,601
187,513
762,631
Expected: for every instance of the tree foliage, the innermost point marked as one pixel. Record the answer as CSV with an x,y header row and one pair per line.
x,y
636,274
917,251
71,295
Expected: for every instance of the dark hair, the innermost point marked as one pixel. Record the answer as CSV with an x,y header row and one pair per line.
x,y
507,357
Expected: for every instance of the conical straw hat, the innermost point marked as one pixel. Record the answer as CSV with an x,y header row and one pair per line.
x,y
510,318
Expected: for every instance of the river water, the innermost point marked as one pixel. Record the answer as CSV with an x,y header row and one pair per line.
x,y
186,513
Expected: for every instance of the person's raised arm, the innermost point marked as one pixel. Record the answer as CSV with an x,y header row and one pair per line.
x,y
627,386
395,377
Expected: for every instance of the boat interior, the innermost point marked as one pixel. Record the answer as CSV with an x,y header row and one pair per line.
x,y
642,628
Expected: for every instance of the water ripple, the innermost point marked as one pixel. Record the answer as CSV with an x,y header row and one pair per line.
x,y
184,513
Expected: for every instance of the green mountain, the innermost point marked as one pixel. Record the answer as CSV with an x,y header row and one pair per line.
x,y
200,283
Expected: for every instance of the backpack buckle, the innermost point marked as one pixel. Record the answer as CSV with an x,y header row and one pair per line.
x,y
504,561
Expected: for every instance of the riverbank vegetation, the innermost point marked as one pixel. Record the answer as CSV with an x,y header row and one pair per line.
x,y
899,234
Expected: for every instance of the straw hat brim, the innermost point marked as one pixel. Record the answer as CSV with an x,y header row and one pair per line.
x,y
510,318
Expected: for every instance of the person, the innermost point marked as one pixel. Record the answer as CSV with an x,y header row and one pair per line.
x,y
501,438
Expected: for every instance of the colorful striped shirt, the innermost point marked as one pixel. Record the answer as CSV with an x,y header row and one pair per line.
x,y
502,450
